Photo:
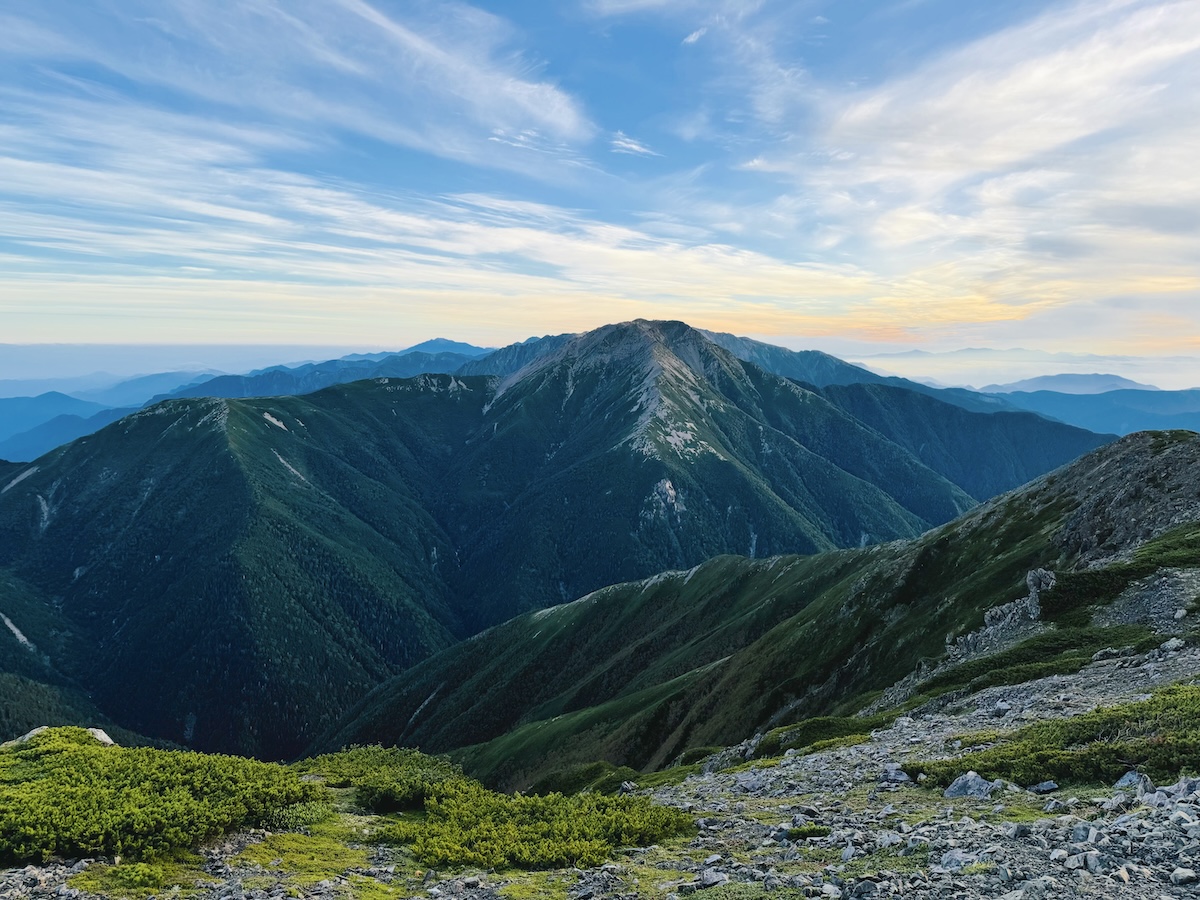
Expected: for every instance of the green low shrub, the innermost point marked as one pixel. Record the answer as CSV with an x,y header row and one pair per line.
x,y
821,733
385,779
138,875
1159,736
299,815
465,824
63,793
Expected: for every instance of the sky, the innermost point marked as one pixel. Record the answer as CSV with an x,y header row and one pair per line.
x,y
861,177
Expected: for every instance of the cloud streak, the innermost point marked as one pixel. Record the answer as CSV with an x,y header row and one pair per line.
x,y
623,143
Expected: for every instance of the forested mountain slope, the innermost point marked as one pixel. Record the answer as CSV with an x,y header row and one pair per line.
x,y
240,571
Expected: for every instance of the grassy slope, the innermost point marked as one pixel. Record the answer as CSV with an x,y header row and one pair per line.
x,y
637,673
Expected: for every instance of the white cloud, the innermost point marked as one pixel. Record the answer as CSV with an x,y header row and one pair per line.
x,y
1022,93
625,7
695,35
1037,168
623,143
440,81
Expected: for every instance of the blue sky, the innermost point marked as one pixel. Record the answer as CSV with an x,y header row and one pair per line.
x,y
855,176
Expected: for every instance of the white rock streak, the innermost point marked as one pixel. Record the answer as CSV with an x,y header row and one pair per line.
x,y
17,632
287,465
18,479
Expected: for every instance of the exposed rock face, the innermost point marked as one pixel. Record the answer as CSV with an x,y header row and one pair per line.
x,y
1146,485
1037,581
1004,625
25,738
1156,601
98,733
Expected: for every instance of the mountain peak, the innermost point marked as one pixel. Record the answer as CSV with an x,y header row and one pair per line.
x,y
655,346
661,376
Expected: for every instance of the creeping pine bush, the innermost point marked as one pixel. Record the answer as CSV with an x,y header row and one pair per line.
x,y
385,779
63,793
1159,736
467,825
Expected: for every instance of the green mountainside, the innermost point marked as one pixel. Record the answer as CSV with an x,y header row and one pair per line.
x,y
955,442
235,574
183,543
638,673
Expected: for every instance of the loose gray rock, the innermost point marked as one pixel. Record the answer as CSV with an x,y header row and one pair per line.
x,y
894,774
971,785
1183,876
712,877
956,860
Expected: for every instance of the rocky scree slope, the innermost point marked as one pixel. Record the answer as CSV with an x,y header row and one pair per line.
x,y
637,674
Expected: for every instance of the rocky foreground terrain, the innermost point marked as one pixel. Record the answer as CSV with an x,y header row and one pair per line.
x,y
845,822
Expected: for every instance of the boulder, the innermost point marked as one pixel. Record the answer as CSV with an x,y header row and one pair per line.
x,y
971,785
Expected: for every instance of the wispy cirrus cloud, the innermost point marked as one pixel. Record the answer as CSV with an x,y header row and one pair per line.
x,y
1038,167
441,81
623,143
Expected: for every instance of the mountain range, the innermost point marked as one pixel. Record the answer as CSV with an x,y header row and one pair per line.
x,y
638,674
1070,383
268,561
1114,405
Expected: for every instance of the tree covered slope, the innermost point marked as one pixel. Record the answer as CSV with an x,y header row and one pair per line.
x,y
637,673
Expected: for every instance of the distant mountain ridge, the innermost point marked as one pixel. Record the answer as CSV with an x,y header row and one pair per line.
x,y
283,381
454,357
1117,412
272,559
57,423
18,414
822,370
1069,383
